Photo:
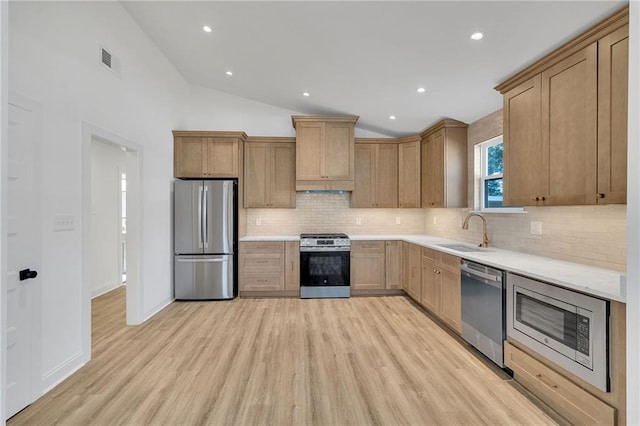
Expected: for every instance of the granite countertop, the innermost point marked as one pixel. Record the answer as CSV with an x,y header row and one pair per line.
x,y
599,282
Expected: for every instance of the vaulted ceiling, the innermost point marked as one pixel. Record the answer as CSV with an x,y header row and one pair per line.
x,y
365,58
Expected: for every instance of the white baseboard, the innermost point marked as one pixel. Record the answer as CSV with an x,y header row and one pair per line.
x,y
160,306
56,375
106,288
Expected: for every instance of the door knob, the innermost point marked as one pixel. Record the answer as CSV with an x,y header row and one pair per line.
x,y
26,274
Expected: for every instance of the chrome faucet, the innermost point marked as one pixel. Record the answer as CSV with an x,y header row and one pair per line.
x,y
465,225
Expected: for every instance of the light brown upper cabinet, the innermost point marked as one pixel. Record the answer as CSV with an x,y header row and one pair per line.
x,y
613,84
325,152
269,173
444,165
409,185
200,154
565,121
376,175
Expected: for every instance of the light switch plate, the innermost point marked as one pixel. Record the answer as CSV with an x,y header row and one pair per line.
x,y
398,220
358,221
536,228
64,222
258,221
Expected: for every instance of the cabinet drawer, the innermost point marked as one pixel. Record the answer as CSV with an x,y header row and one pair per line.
x,y
261,262
367,246
575,404
265,247
450,262
430,253
262,282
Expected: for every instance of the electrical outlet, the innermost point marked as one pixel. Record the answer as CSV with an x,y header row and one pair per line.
x,y
536,228
258,221
64,222
358,221
398,220
434,220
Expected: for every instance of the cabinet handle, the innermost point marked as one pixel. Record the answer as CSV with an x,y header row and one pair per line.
x,y
551,385
542,198
263,281
599,195
535,198
292,265
261,261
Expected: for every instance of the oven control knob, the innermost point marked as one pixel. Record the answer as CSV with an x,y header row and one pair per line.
x,y
325,281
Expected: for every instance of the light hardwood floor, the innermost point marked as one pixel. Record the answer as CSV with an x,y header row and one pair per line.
x,y
283,362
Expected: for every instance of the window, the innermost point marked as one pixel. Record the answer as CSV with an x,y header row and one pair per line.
x,y
491,185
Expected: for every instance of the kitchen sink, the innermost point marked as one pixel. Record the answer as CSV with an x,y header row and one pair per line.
x,y
462,247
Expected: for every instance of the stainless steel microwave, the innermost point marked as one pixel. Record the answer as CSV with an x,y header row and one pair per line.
x,y
569,328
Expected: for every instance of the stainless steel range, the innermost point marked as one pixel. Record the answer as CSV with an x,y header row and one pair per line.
x,y
325,265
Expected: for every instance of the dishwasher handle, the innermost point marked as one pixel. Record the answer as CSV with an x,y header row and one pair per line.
x,y
472,272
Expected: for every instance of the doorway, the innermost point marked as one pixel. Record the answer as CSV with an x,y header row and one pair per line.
x,y
125,159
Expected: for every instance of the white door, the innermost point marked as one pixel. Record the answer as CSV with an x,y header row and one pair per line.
x,y
23,254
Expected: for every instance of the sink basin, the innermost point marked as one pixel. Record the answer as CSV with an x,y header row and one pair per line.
x,y
462,247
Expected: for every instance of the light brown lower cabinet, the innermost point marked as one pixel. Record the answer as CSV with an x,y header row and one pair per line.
x,y
292,265
411,275
269,267
441,287
572,402
393,265
368,265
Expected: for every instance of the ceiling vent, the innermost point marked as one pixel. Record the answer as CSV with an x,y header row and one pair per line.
x,y
109,61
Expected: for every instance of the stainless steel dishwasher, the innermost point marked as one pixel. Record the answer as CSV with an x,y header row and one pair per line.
x,y
483,309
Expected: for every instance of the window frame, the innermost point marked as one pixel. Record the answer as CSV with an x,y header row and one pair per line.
x,y
484,147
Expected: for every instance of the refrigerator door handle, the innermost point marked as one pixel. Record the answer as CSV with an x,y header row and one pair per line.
x,y
205,215
179,260
200,240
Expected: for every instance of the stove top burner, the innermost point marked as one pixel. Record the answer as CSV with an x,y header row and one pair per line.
x,y
324,236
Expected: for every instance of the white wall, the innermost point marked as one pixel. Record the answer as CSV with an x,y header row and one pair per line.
x,y
107,164
214,110
53,54
633,221
4,99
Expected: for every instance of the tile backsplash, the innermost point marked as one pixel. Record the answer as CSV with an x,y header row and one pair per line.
x,y
592,235
330,212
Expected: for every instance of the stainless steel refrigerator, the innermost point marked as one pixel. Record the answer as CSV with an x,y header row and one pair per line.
x,y
204,236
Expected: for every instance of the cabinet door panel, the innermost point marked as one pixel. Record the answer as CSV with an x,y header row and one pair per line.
x,y
339,151
309,151
362,195
409,187
282,180
523,162
394,264
367,271
292,265
450,309
387,176
436,166
190,155
569,128
256,160
430,297
613,83
222,158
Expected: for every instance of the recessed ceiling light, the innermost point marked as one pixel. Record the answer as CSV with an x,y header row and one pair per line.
x,y
421,90
207,29
477,36
305,93
229,73
392,117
